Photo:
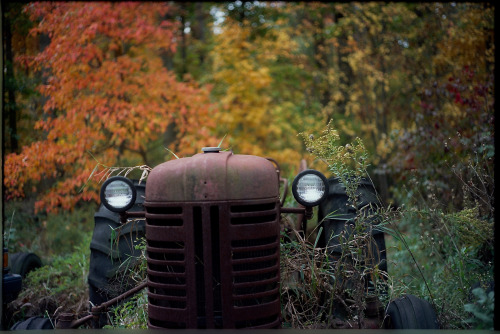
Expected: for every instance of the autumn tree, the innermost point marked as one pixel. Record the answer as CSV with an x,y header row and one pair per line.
x,y
108,98
451,142
277,69
19,94
375,70
195,36
260,108
359,64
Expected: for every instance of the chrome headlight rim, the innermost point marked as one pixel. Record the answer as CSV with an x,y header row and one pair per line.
x,y
295,185
104,198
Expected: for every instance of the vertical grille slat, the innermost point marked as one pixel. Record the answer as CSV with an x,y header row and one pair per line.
x,y
216,320
213,263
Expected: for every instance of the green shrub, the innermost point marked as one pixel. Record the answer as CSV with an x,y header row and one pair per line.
x,y
319,290
132,314
59,286
46,235
482,310
453,250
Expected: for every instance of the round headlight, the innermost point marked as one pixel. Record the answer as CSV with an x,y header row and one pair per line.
x,y
310,187
118,194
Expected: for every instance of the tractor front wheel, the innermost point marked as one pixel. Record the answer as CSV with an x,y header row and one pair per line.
x,y
410,312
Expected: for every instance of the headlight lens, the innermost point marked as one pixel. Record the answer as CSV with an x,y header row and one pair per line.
x,y
310,187
118,194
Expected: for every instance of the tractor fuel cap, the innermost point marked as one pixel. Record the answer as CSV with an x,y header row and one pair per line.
x,y
211,149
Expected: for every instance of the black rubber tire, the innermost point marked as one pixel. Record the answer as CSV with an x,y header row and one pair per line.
x,y
33,323
410,312
22,263
106,258
336,203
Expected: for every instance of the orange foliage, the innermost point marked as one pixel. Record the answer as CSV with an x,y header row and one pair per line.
x,y
107,91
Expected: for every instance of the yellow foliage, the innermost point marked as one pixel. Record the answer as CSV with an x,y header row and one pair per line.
x,y
256,123
384,148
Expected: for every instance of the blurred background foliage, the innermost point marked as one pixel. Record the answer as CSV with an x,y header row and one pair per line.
x,y
117,83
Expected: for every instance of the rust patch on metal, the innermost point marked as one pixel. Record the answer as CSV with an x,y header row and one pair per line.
x,y
212,177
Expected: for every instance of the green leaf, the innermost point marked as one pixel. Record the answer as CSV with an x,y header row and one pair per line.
x,y
222,140
175,155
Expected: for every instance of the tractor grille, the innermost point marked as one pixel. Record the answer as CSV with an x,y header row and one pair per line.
x,y
213,264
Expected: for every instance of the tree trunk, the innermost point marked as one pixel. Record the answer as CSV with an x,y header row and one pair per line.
x,y
9,104
183,46
198,28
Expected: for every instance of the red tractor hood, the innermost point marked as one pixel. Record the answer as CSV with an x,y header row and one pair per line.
x,y
213,176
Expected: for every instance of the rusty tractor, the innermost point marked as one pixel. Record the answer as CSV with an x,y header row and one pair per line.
x,y
212,228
